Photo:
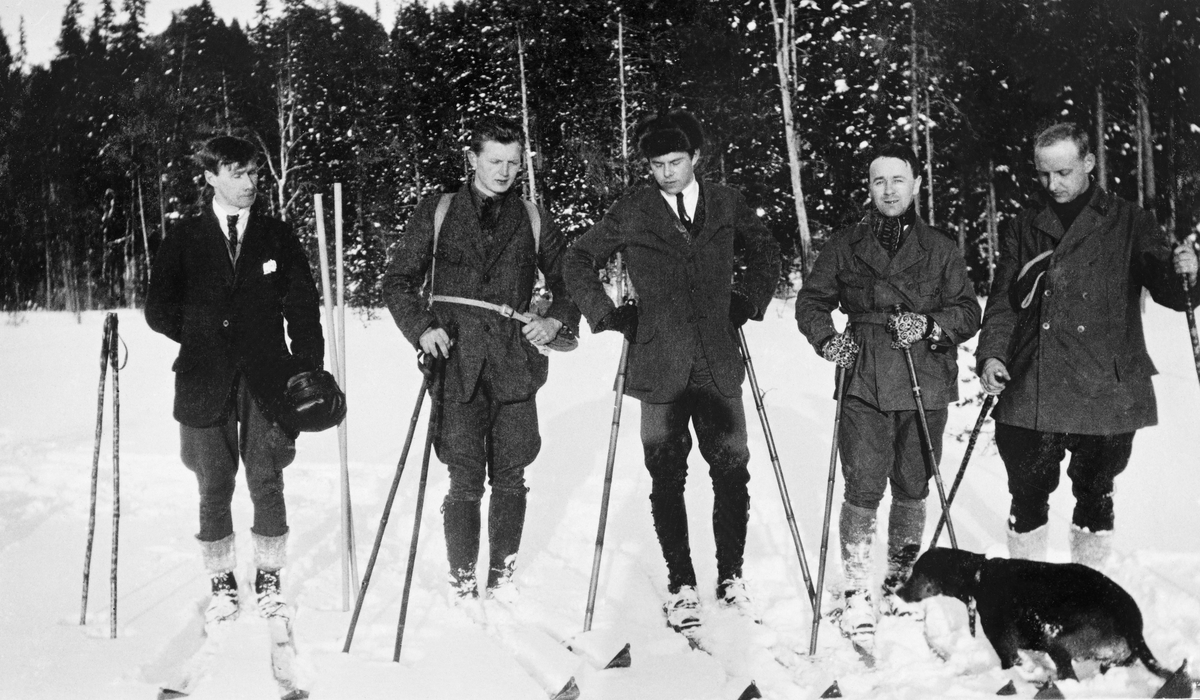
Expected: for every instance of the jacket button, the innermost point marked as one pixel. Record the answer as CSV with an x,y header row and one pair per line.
x,y
1046,326
1080,329
487,278
225,323
1046,293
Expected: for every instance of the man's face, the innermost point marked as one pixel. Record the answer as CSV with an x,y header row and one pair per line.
x,y
1062,172
674,171
496,167
893,185
235,186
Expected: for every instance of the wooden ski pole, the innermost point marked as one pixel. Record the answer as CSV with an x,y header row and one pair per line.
x,y
962,468
87,556
840,394
614,430
331,335
387,510
930,457
116,484
435,411
779,480
343,427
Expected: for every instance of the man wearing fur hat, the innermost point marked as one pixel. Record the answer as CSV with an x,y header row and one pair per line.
x,y
889,259
680,237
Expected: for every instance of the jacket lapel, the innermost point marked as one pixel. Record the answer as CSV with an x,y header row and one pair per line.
x,y
868,250
506,227
913,250
712,213
216,245
249,251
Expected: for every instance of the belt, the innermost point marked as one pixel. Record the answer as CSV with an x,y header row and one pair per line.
x,y
564,341
878,318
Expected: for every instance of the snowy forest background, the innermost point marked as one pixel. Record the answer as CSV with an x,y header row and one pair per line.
x,y
94,147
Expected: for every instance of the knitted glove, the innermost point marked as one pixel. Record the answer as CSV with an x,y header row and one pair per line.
x,y
907,328
841,350
740,309
623,319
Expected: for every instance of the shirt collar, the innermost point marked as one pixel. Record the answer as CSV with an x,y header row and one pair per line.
x,y
691,195
243,216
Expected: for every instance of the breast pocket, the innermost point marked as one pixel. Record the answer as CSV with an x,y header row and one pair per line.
x,y
856,291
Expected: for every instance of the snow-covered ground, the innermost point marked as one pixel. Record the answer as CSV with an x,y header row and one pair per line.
x,y
47,422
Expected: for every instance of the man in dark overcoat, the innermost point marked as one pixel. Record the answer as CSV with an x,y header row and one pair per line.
x,y
488,250
680,237
1062,339
902,284
224,284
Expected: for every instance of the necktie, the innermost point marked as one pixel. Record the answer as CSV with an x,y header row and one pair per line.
x,y
682,210
231,223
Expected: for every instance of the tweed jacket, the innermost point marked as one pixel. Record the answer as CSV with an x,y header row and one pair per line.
x,y
1065,317
683,287
927,275
504,273
230,319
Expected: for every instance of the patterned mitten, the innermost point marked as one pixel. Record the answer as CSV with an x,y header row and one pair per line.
x,y
841,350
907,328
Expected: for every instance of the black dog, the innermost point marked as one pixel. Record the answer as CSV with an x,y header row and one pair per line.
x,y
1069,611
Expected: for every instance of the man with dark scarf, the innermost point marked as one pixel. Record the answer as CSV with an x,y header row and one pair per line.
x,y
1062,339
903,284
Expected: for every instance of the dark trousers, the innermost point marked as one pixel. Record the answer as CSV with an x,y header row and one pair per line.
x,y
212,453
720,424
1032,460
879,447
486,439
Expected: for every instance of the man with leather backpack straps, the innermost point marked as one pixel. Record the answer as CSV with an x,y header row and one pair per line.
x,y
481,268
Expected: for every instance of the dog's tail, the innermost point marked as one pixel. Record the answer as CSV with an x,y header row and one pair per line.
x,y
1143,653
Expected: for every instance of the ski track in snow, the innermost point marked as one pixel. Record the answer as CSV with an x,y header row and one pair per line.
x,y
46,436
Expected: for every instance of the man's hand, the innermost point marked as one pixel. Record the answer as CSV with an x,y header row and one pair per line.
x,y
741,309
435,341
623,319
840,349
1185,261
994,376
540,331
907,328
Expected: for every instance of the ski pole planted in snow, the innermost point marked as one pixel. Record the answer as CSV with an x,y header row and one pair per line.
x,y
323,254
1191,313
87,556
962,468
927,441
619,390
435,411
116,483
343,427
387,510
840,393
783,490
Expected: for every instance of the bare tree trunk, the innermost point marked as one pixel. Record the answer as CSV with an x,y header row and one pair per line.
x,y
624,103
46,236
1145,138
1101,143
993,224
145,232
913,94
962,235
929,157
1172,180
531,179
783,53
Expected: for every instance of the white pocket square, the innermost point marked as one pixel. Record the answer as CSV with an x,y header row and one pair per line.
x,y
268,267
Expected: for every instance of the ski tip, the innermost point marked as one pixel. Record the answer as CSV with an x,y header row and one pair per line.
x,y
296,695
1179,685
1009,688
1049,692
570,691
623,659
750,693
168,694
832,691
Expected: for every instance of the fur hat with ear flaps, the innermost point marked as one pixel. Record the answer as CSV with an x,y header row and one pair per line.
x,y
673,132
